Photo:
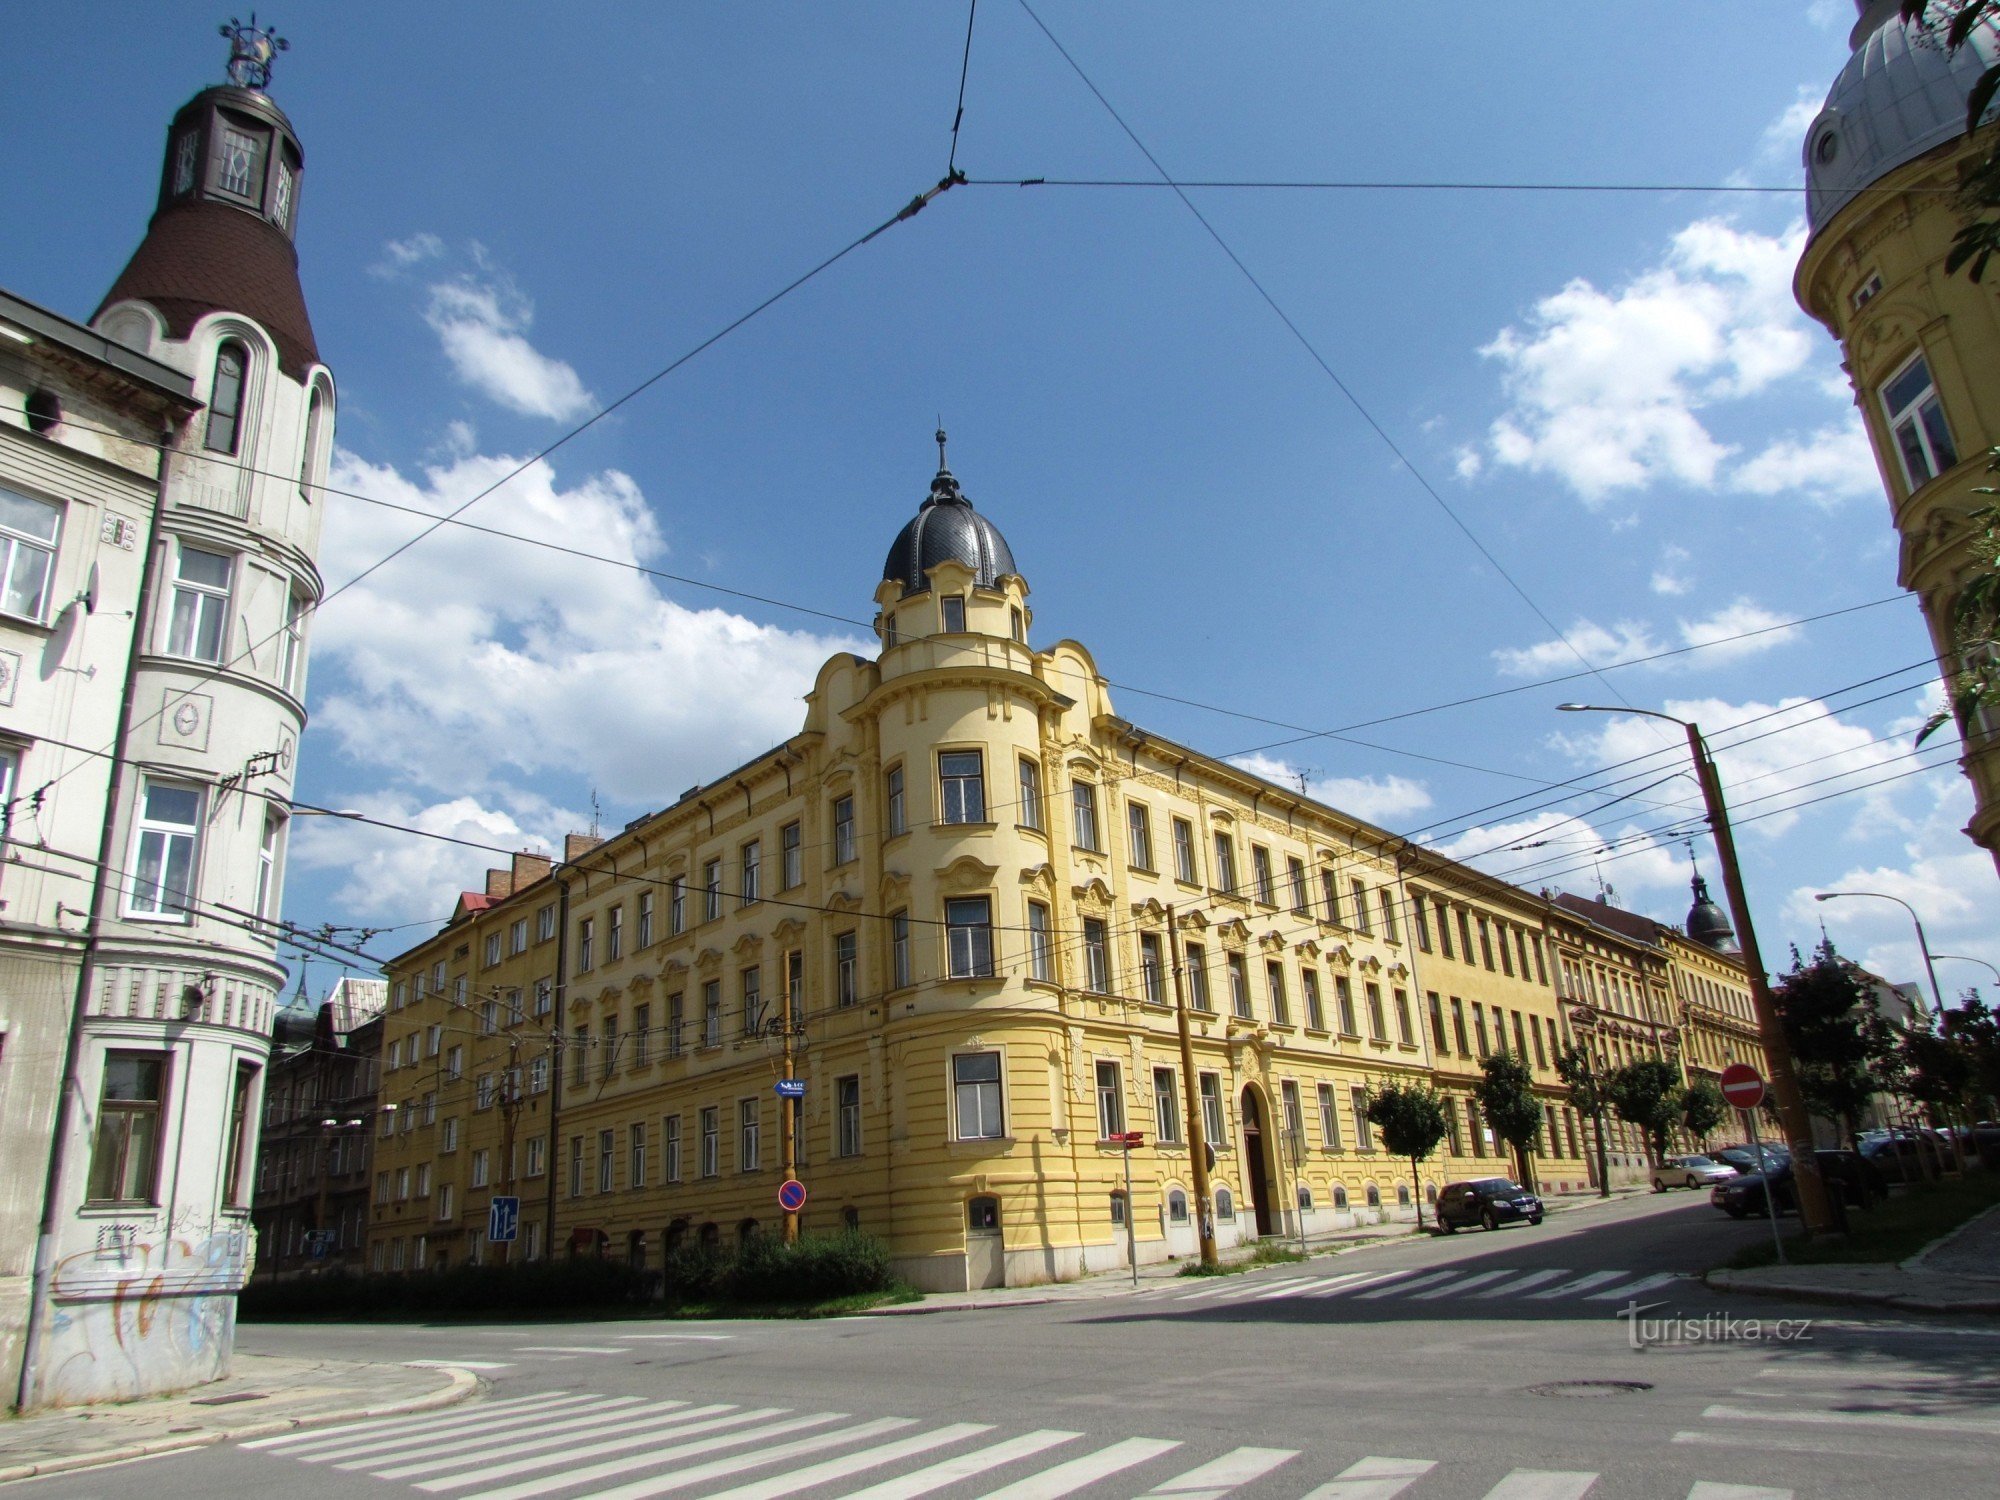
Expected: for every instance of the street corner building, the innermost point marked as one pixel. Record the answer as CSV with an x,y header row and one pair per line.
x,y
1884,161
960,907
158,524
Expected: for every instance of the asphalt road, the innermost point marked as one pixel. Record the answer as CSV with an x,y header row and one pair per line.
x,y
1496,1365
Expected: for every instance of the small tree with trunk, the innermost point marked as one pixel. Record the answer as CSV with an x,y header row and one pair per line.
x,y
1507,1099
1411,1118
1703,1109
1841,1047
1577,1070
1647,1093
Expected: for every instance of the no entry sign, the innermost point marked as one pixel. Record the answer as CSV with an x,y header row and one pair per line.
x,y
1742,1086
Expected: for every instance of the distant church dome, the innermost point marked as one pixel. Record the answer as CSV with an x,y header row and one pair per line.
x,y
947,529
1901,94
1708,925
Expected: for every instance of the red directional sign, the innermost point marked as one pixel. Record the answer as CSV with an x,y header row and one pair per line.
x,y
1130,1138
1742,1086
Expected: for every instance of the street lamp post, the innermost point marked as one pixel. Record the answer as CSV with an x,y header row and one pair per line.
x,y
1968,959
1814,1208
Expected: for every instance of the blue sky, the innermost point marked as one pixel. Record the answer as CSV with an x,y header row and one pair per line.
x,y
513,214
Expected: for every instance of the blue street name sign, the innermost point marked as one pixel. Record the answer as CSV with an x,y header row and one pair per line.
x,y
790,1088
503,1220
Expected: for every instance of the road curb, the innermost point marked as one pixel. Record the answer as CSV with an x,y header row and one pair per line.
x,y
462,1384
1723,1281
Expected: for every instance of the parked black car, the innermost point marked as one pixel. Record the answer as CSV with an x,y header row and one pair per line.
x,y
1851,1175
1745,1158
1491,1201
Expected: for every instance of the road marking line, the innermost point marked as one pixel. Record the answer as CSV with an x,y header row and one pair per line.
x,y
1374,1479
1216,1478
1207,1291
1532,1278
1819,1446
1848,1373
453,1455
853,1463
1333,1285
1708,1489
1579,1284
1301,1287
459,1364
346,1441
1261,1288
1854,1419
965,1466
319,1435
626,1465
1634,1288
1463,1284
701,1337
1378,1279
1065,1479
377,1449
448,1445
722,1468
1396,1289
571,1349
1542,1484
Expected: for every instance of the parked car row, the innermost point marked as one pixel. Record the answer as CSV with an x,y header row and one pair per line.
x,y
1849,1173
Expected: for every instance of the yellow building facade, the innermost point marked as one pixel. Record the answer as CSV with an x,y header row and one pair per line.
x,y
956,898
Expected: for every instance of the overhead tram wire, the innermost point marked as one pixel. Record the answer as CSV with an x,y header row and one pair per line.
x,y
1376,185
964,70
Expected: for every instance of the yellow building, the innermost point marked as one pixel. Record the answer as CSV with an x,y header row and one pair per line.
x,y
959,892
1884,160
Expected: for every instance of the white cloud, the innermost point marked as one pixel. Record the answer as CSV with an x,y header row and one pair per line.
x,y
1559,852
1670,577
1632,640
1601,646
395,877
400,255
1834,463
1720,632
1784,137
1466,463
482,321
1606,388
1376,799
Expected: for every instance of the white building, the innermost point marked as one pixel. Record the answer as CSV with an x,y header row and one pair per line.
x,y
158,523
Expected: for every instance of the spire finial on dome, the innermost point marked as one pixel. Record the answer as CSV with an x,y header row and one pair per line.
x,y
252,49
943,467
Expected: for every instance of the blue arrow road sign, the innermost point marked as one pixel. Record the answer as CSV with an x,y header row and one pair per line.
x,y
503,1220
790,1088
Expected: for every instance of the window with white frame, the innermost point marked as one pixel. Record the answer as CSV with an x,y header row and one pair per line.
x,y
614,933
28,532
790,849
711,890
753,873
711,1013
1239,985
1110,1101
606,1159
125,1151
847,1115
952,612
892,802
1329,1117
1083,807
635,1155
962,786
1212,1119
266,903
1096,955
670,1146
1364,1135
586,943
645,934
1166,1107
1225,864
198,612
1184,869
1197,977
676,906
1152,980
481,1167
1041,958
1281,1005
1315,1006
292,654
1260,872
1139,834
1360,893
166,852
846,969
1916,418
843,830
899,950
975,1078
753,1000
1030,815
968,923
748,1140
545,924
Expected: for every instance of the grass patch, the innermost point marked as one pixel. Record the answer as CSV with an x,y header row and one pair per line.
x,y
1894,1231
828,1307
1196,1268
1271,1253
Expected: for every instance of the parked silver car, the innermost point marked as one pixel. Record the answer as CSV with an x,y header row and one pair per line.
x,y
1690,1171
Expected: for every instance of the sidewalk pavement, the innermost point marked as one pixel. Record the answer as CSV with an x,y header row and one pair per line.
x,y
264,1396
1118,1283
1959,1273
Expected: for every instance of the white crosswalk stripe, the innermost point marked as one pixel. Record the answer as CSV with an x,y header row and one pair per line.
x,y
1633,1288
965,1466
854,1463
1374,1479
371,1454
1441,1284
1706,1489
739,1430
1218,1477
649,1420
1067,1478
319,1439
1462,1285
1542,1484
1398,1288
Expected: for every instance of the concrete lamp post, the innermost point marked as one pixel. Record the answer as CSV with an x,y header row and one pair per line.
x,y
1814,1207
1963,958
1937,995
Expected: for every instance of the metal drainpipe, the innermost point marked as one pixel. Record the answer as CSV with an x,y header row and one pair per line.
x,y
559,998
71,1087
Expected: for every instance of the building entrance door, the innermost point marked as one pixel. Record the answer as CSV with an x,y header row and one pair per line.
x,y
1256,1178
985,1262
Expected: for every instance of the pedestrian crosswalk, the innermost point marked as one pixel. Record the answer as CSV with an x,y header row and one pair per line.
x,y
590,1447
1841,1408
1530,1288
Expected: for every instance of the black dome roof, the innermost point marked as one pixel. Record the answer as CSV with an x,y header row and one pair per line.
x,y
947,529
1708,925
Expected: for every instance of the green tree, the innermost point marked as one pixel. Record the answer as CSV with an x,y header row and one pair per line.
x,y
1577,1070
1978,239
1507,1099
1839,1044
1648,1093
1411,1118
1703,1109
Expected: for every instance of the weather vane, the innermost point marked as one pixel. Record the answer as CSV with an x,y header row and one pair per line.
x,y
252,48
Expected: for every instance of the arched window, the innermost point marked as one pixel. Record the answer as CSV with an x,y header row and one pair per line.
x,y
309,459
1339,1196
1118,1210
1305,1197
635,1249
1374,1196
1430,1192
676,1235
225,398
711,1235
746,1231
1402,1195
1177,1207
1225,1205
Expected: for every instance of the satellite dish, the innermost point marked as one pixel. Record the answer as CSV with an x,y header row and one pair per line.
x,y
88,598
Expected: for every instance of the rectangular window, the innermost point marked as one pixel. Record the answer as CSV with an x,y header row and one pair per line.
x,y
1343,997
1197,977
1031,793
1019,625
1360,894
1535,1030
199,618
1329,891
1329,1117
962,786
517,936
952,611
642,1035
1465,935
1083,806
444,1203
1096,956
1041,963
1378,1029
236,1174
1420,918
28,530
1295,875
576,1166
753,1000
545,924
1110,1101
676,1025
795,986
1916,418
1166,1107
1437,1024
1184,870
892,801
1315,1008
1139,834
968,925
482,1167
1295,1114
843,830
748,1140
1520,1038
1225,864
753,873
711,1142
538,1076
614,933
492,949
711,1013
791,847
1479,1027
899,950
847,1115
846,970
1239,985
1364,1137
1152,980
1386,898
711,890
1444,929
975,1080
608,1045
1281,1005
670,1147
167,851
676,906
1452,1141
1212,1121
1406,1031
1458,1026
579,1042
1260,871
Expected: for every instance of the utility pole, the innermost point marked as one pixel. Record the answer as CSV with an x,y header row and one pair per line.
x,y
510,1107
1204,1217
788,1111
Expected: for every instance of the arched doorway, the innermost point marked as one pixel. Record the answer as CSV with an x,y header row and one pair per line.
x,y
1256,1172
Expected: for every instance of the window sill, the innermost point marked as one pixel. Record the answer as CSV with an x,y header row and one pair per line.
x,y
943,825
960,1144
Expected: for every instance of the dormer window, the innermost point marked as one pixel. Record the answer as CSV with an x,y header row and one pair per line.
x,y
953,606
186,152
238,168
1020,625
1868,291
281,200
309,459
